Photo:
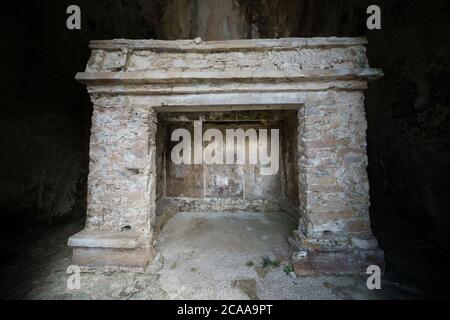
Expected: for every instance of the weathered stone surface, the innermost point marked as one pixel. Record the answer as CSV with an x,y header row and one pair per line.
x,y
111,250
333,165
121,168
92,259
295,58
105,240
154,61
320,78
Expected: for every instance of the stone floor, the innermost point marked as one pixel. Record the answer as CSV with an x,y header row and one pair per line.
x,y
205,256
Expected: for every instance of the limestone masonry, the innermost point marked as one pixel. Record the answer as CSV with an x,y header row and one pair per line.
x,y
313,88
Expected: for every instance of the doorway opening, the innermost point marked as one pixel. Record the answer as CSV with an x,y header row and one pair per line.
x,y
218,222
232,188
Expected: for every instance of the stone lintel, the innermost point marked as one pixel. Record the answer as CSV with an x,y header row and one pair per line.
x,y
197,45
225,101
175,77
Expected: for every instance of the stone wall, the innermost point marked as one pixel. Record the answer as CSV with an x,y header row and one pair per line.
x,y
333,180
122,167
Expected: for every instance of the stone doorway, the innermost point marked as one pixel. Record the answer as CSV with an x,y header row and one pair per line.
x,y
133,82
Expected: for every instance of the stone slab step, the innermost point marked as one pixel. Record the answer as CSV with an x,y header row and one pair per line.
x,y
119,240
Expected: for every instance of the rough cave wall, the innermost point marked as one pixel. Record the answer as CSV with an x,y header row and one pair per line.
x,y
45,114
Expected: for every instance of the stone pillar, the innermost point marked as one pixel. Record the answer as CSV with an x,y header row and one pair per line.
x,y
334,234
121,188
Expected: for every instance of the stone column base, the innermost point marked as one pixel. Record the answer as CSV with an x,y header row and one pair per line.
x,y
111,251
335,255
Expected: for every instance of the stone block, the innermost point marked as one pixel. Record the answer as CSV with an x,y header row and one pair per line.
x,y
111,251
365,244
90,239
366,258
